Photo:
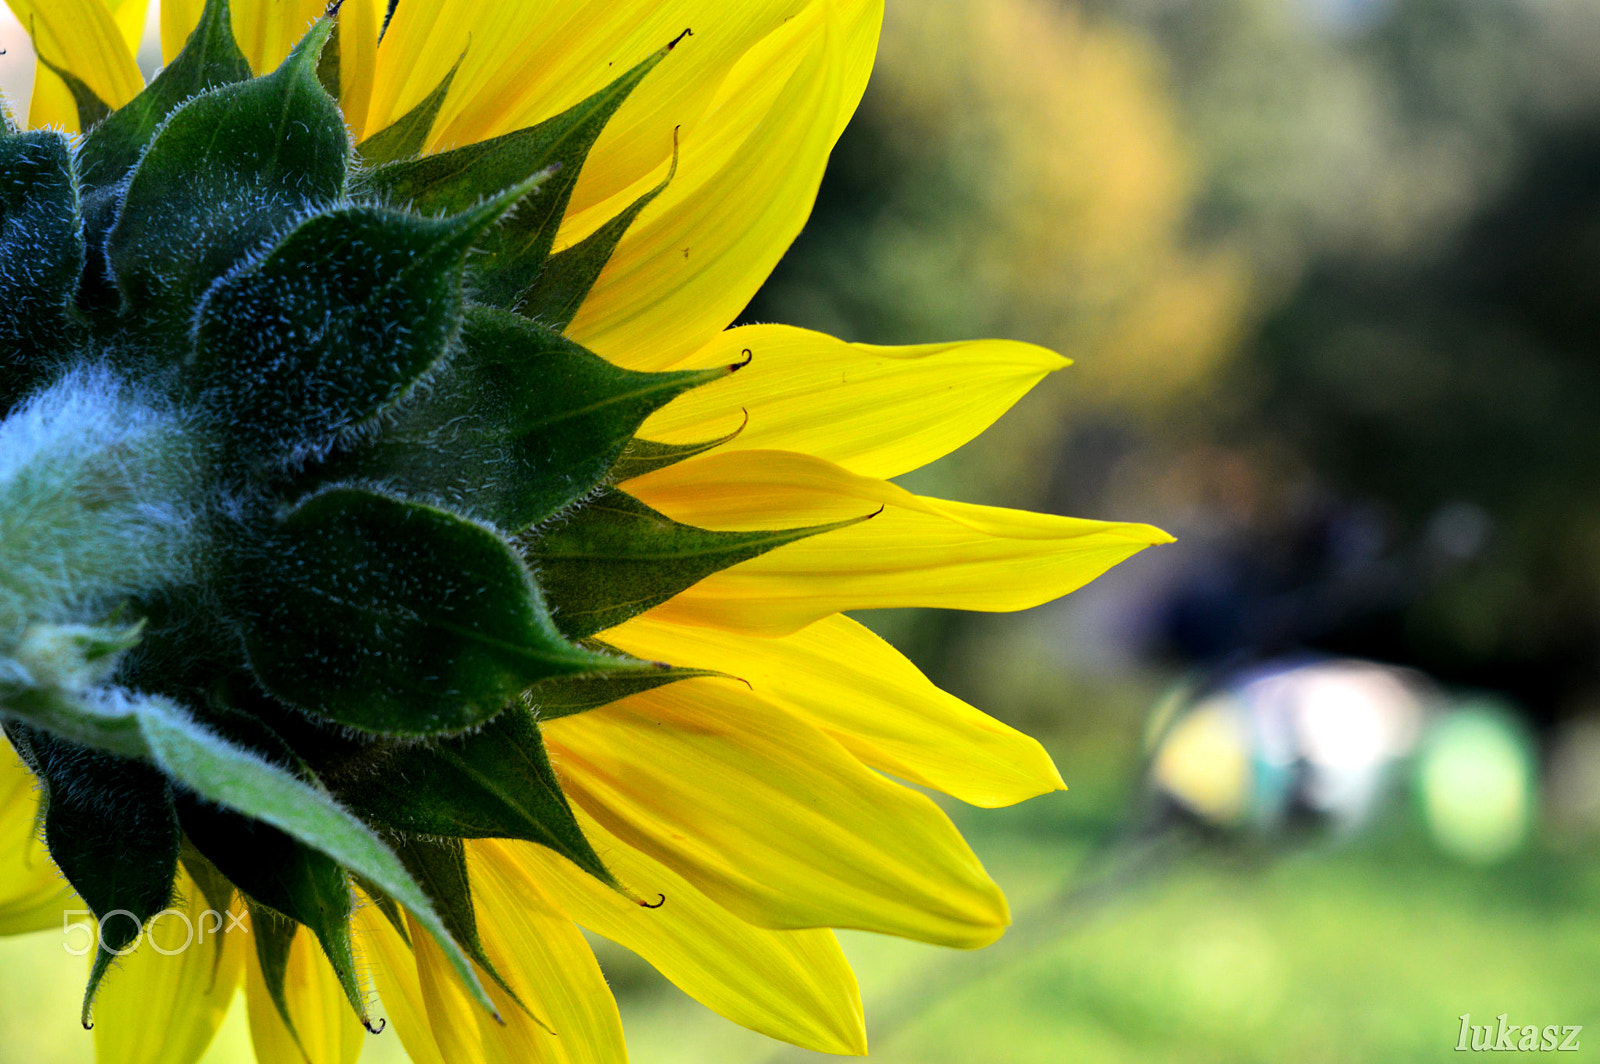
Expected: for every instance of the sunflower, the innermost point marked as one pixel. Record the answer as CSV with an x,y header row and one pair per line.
x,y
405,565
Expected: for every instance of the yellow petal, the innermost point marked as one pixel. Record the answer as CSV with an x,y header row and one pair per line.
x,y
876,411
328,1029
758,95
453,1017
838,676
156,1008
359,22
394,973
771,818
748,177
545,959
81,37
791,985
268,29
178,20
33,895
129,15
916,552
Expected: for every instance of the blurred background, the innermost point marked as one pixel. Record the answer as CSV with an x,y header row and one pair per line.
x,y
1329,272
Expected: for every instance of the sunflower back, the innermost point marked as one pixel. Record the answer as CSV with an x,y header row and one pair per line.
x,y
339,490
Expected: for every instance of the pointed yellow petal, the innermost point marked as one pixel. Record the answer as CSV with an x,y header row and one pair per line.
x,y
838,676
771,818
791,985
268,29
156,1008
916,552
32,893
758,94
81,37
876,411
394,974
328,1029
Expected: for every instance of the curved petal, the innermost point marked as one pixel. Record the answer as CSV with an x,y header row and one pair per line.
x,y
268,29
454,1018
838,676
876,411
544,958
33,895
791,985
758,95
394,974
80,36
699,252
178,20
915,552
359,22
157,1008
328,1029
129,15
771,818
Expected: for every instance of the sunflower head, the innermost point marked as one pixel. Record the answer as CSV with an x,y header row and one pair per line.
x,y
317,521
369,477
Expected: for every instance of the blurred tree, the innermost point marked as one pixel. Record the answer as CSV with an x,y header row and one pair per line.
x,y
1018,170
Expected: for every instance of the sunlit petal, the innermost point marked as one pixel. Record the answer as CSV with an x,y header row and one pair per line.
x,y
328,1029
916,552
164,1008
876,411
840,677
771,818
792,985
394,974
85,39
535,946
32,892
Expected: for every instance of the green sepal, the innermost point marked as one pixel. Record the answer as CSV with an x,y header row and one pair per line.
x,y
494,783
276,870
397,618
514,253
41,256
518,424
110,827
565,696
214,887
233,777
210,59
92,110
439,865
332,326
328,59
643,456
228,169
614,557
564,281
274,939
407,134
